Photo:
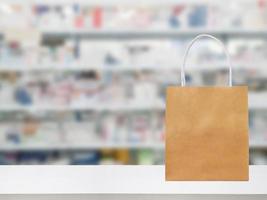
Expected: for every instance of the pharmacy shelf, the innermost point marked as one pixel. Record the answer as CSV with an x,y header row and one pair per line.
x,y
256,101
79,146
120,68
126,34
161,33
100,145
258,139
83,67
258,144
118,179
111,2
94,106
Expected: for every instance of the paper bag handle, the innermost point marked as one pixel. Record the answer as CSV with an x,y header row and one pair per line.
x,y
189,47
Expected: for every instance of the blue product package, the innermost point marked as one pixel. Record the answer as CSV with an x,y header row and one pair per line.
x,y
88,158
22,96
198,16
38,156
13,136
174,21
110,59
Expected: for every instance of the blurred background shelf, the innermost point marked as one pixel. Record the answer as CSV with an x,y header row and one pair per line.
x,y
147,34
77,67
254,144
256,101
73,72
151,33
76,147
94,106
258,144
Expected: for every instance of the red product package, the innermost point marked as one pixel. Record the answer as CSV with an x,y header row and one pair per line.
x,y
97,17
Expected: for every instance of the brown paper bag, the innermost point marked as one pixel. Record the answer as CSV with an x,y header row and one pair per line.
x,y
206,131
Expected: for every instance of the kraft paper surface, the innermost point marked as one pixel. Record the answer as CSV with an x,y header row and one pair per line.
x,y
207,134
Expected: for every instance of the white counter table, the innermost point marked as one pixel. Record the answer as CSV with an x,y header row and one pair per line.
x,y
117,180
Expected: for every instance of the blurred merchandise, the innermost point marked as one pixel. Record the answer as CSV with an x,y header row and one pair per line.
x,y
67,16
72,54
84,83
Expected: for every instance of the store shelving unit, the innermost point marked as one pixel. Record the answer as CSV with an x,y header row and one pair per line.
x,y
256,100
91,145
76,67
161,34
258,144
93,106
126,34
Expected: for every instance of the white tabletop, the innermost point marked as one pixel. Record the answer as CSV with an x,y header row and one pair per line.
x,y
118,179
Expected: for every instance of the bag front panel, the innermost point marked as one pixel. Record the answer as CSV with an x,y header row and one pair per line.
x,y
207,133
